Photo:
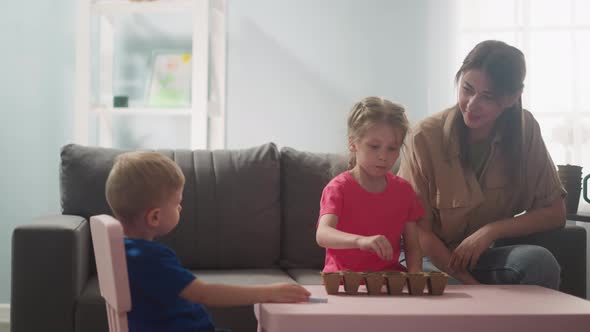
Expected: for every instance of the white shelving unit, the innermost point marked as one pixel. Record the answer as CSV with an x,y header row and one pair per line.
x,y
207,108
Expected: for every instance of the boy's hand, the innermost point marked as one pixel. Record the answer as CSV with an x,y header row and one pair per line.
x,y
287,293
377,244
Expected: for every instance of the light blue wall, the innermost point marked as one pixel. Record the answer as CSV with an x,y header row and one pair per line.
x,y
294,70
35,106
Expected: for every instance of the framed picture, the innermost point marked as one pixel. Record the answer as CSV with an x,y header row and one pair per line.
x,y
170,82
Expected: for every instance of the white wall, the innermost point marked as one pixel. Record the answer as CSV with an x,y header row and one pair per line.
x,y
37,55
296,67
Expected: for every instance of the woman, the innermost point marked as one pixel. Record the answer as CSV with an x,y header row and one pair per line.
x,y
482,173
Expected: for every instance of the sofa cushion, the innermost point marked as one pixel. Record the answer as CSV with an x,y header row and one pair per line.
x,y
235,215
231,202
83,174
306,276
243,277
303,177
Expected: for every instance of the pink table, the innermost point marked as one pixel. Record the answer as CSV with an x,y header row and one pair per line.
x,y
462,308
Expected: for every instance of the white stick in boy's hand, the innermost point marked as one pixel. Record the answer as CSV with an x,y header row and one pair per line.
x,y
318,300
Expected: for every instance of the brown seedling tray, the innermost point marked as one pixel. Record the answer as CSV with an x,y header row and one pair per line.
x,y
331,282
416,283
395,282
374,282
437,281
352,281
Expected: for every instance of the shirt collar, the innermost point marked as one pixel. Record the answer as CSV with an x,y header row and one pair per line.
x,y
451,132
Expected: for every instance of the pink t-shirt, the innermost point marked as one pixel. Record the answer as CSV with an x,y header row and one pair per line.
x,y
365,213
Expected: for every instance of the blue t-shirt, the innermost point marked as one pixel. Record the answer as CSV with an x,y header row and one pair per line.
x,y
156,279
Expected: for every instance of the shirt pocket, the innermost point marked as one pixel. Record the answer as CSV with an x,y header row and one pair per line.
x,y
495,180
451,209
498,193
451,199
496,175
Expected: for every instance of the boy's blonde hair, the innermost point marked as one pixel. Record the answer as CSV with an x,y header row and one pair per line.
x,y
140,181
371,111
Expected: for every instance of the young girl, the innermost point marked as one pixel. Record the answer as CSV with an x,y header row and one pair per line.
x,y
365,210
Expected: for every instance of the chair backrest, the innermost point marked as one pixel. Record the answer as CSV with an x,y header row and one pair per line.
x,y
111,265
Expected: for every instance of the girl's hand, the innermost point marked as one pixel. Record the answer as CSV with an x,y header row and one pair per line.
x,y
467,253
287,293
377,244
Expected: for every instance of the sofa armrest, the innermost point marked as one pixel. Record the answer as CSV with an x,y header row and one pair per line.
x,y
50,265
568,245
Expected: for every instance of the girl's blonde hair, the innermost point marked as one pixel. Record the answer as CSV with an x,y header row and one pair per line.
x,y
371,111
140,181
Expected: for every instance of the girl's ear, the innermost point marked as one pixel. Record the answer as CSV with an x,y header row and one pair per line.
x,y
153,217
351,144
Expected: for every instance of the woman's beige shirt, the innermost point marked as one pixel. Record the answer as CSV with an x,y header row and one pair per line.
x,y
456,202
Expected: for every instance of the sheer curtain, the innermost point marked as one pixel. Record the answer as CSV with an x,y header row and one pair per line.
x,y
555,38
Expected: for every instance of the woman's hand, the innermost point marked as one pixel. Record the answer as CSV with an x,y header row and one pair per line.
x,y
377,244
465,278
467,253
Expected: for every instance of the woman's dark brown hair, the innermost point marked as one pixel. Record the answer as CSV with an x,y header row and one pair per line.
x,y
505,67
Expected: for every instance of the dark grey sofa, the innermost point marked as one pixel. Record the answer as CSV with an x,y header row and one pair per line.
x,y
248,217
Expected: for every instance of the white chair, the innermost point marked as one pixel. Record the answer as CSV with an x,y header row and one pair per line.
x,y
111,265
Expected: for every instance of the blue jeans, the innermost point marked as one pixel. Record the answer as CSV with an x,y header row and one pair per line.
x,y
518,264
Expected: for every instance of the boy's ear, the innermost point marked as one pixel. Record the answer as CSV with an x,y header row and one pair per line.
x,y
153,217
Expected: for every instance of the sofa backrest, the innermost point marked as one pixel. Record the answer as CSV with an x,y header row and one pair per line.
x,y
231,202
303,178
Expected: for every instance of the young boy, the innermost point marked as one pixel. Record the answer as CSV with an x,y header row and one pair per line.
x,y
144,190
